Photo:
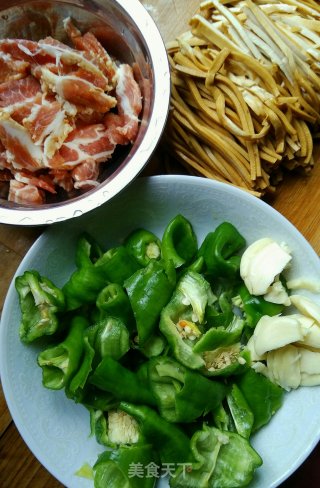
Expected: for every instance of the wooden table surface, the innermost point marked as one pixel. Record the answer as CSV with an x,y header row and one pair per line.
x,y
298,199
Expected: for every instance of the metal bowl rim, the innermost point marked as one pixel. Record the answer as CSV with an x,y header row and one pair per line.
x,y
105,191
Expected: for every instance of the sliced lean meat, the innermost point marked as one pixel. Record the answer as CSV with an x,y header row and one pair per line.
x,y
63,111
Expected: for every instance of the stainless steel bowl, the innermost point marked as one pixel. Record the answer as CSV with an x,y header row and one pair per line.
x,y
132,36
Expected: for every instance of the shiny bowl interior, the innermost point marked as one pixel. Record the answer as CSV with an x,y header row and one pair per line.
x,y
127,31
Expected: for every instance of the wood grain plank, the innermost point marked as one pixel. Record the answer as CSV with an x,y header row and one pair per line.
x,y
299,202
17,238
307,474
5,417
9,261
18,466
172,17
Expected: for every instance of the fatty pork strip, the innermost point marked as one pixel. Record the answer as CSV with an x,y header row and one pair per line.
x,y
56,126
89,145
11,69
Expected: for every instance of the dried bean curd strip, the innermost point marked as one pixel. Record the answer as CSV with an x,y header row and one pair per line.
x,y
246,91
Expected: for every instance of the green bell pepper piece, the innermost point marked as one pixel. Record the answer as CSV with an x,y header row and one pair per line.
x,y
83,286
97,399
114,428
220,313
263,397
219,250
117,264
256,306
172,444
154,346
40,302
222,418
226,360
183,395
114,301
241,412
144,246
88,251
220,336
197,265
99,427
205,446
186,309
223,460
126,467
109,337
60,363
124,384
179,242
149,290
85,283
75,389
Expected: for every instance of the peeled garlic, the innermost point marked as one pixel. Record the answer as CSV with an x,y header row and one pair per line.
x,y
306,306
310,361
253,353
277,293
260,263
284,367
261,368
310,367
304,283
310,330
274,332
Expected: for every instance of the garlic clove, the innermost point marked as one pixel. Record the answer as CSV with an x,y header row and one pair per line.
x,y
306,306
275,332
284,366
260,263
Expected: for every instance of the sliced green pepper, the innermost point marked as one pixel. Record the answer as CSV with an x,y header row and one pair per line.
x,y
172,444
144,246
61,362
256,306
241,412
154,346
97,399
76,387
83,286
197,265
263,397
114,428
117,264
179,242
126,467
86,282
222,418
220,313
219,250
226,360
40,301
181,319
149,290
223,460
236,463
124,384
114,301
88,251
182,395
109,337
220,336
99,427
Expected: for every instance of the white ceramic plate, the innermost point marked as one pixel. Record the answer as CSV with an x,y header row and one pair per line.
x,y
57,430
